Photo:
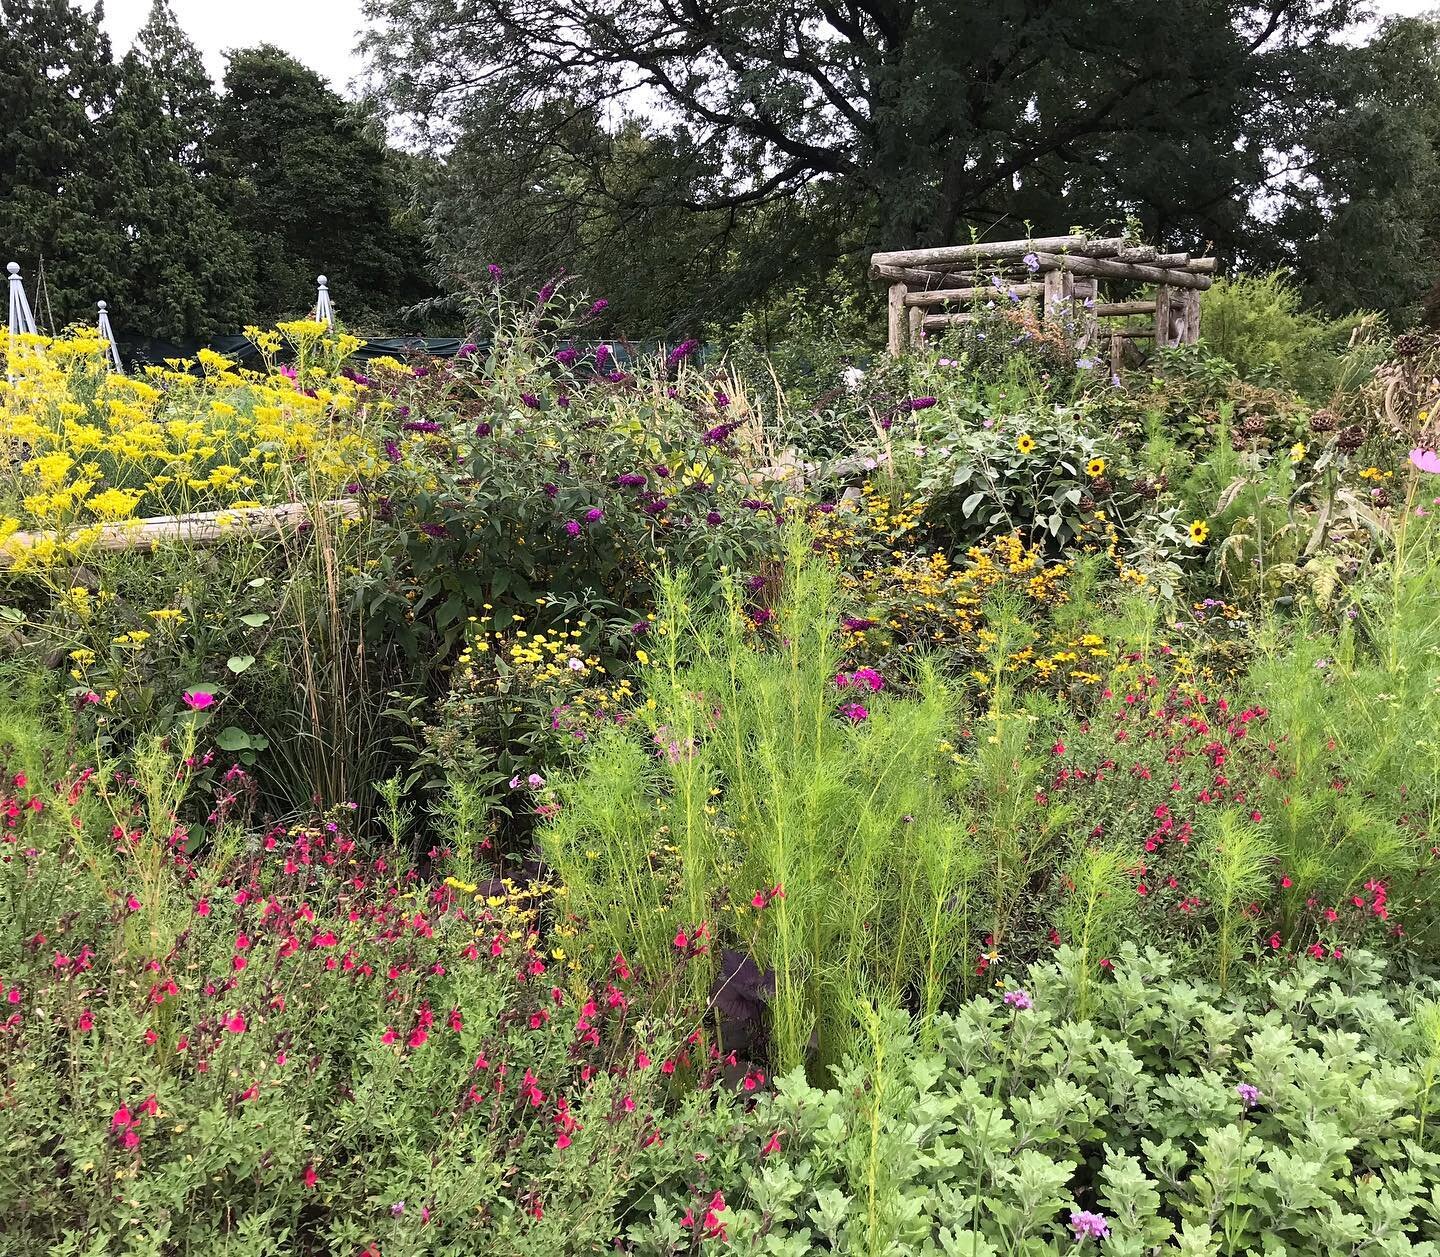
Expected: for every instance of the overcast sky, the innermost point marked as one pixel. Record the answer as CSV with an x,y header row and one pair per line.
x,y
321,33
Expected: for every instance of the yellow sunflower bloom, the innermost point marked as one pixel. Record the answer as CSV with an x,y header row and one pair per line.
x,y
1095,467
1199,532
1026,444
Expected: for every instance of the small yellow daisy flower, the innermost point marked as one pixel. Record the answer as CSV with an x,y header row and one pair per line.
x,y
1199,532
1095,467
1026,444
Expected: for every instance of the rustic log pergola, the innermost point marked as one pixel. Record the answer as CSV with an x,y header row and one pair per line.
x,y
1064,272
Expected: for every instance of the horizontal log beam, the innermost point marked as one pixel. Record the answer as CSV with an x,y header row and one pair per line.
x,y
939,296
1123,270
980,253
1117,309
933,321
202,528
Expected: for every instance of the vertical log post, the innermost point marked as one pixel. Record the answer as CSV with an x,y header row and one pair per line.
x,y
917,328
895,309
1164,295
1054,294
1192,316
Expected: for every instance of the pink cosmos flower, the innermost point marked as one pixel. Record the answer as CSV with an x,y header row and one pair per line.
x,y
197,700
1426,460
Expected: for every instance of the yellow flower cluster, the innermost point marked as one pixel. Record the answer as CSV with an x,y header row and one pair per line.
x,y
879,518
531,660
82,446
929,602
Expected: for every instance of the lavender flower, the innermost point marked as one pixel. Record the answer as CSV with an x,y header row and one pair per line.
x,y
496,274
1249,1094
1032,262
566,356
599,306
421,425
1019,1000
1084,1224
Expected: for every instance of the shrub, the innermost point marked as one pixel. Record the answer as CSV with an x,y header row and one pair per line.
x,y
1258,325
292,1046
1171,1119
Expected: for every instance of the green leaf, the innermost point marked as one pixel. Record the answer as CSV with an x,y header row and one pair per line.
x,y
255,619
232,738
238,663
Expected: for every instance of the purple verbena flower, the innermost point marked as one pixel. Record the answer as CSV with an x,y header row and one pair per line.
x,y
1018,1000
1249,1094
594,515
1084,1224
854,713
572,527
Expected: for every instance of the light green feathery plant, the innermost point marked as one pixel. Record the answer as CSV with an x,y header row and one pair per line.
x,y
744,809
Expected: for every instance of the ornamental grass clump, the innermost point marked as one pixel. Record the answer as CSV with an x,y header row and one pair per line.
x,y
777,825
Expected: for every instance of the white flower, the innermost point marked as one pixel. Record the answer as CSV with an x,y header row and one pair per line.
x,y
852,377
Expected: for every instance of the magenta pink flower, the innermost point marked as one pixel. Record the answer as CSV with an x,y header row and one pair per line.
x,y
197,700
1426,460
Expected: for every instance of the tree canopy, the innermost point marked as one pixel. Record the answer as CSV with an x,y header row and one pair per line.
x,y
861,123
190,212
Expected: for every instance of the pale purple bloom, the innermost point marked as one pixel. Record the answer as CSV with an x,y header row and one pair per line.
x,y
1085,1223
1032,262
1250,1095
535,781
1018,1000
1426,460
